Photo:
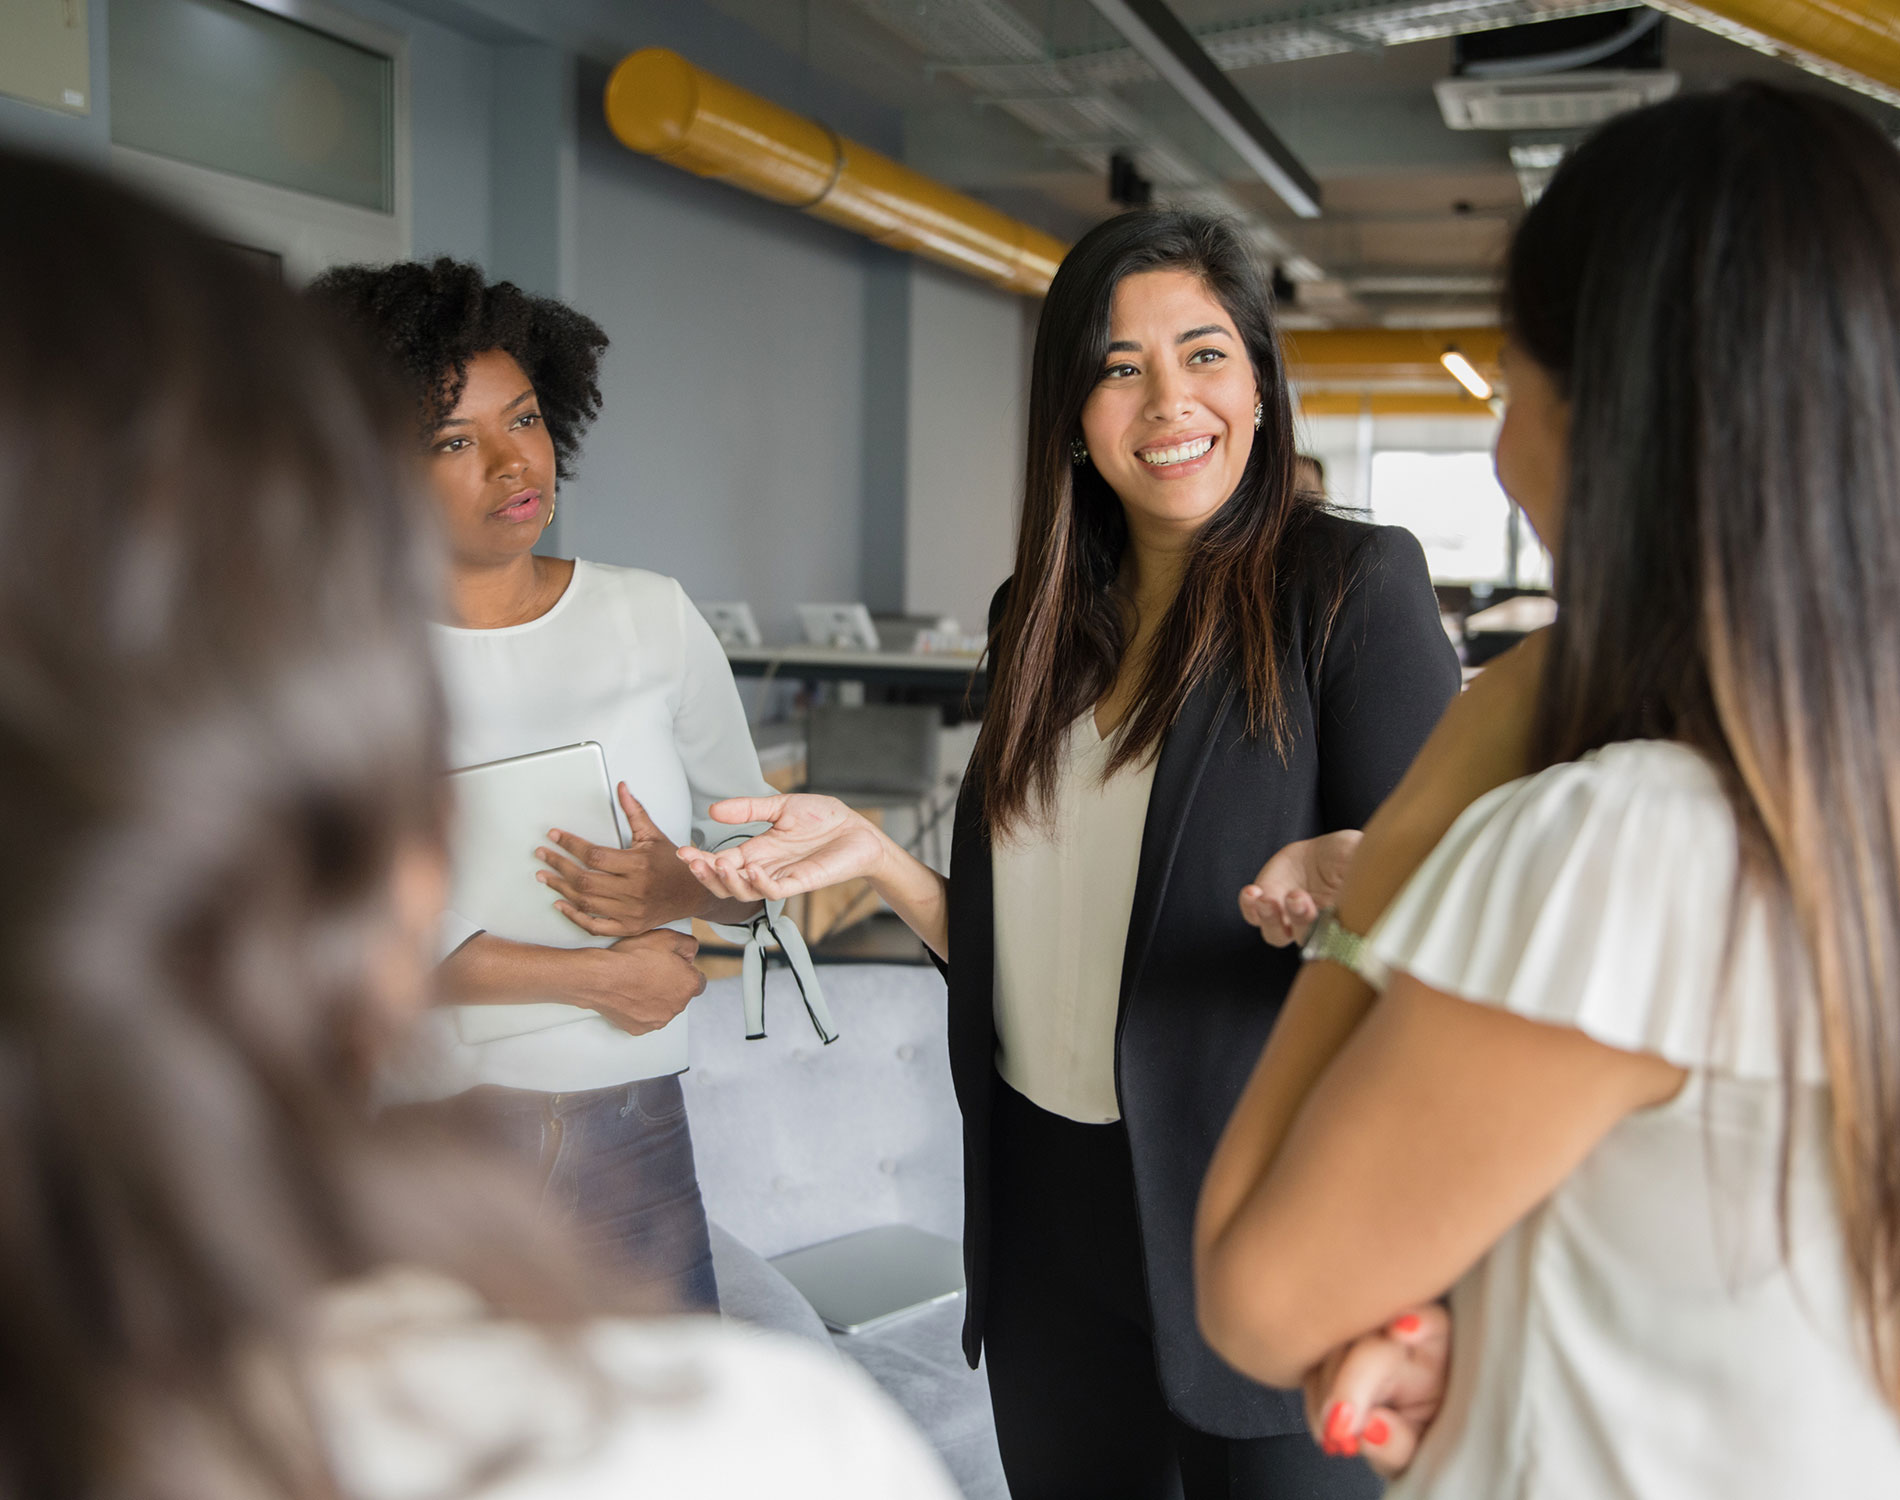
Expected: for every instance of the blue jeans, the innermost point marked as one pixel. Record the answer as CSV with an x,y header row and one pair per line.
x,y
617,1164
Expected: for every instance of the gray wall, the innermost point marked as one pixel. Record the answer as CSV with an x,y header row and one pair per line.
x,y
731,450
791,412
968,390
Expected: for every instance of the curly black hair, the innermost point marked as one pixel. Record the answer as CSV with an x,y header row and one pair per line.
x,y
428,321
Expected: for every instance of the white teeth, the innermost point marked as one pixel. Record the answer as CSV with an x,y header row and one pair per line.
x,y
1162,457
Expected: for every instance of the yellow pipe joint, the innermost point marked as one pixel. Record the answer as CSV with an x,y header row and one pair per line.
x,y
1356,356
661,105
1860,36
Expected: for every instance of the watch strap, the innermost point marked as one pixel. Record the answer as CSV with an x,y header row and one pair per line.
x,y
1337,943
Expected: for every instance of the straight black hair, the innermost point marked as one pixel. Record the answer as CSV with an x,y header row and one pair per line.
x,y
1059,643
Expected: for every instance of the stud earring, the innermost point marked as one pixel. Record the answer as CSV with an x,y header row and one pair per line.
x,y
1259,414
1078,453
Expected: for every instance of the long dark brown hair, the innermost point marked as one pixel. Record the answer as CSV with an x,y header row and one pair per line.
x,y
1060,640
218,728
1715,285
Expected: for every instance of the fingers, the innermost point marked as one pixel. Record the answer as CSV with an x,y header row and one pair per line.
x,y
581,851
708,875
1263,910
1370,1375
1426,1328
724,878
1377,1395
595,926
1388,1442
749,809
644,829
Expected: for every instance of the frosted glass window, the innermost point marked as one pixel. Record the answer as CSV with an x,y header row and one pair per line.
x,y
1452,503
239,90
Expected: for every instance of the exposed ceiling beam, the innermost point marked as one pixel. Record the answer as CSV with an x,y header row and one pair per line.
x,y
1170,49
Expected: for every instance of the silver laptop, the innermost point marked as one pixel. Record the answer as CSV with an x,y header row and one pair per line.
x,y
862,1281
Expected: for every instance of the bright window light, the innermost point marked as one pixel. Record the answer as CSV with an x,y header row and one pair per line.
x,y
1451,502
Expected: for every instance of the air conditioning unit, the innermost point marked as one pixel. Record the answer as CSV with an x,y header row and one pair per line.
x,y
1549,101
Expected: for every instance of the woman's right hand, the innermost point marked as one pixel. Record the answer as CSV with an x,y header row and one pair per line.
x,y
638,984
813,842
1376,1397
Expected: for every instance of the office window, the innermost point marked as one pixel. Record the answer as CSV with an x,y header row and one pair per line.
x,y
238,89
1451,502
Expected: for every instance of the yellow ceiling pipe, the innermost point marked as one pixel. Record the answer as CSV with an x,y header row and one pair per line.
x,y
660,104
1355,356
1390,404
1860,37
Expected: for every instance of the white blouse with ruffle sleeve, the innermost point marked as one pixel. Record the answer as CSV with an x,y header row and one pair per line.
x,y
1641,1332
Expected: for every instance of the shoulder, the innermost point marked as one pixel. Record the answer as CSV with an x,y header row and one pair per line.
x,y
1328,549
1626,814
654,604
420,1389
635,585
1602,894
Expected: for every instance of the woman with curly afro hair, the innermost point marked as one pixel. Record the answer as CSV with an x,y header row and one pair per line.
x,y
539,652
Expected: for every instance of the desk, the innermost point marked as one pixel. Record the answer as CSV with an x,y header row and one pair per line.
x,y
849,664
956,681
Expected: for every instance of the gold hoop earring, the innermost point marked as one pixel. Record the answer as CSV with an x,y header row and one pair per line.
x,y
551,504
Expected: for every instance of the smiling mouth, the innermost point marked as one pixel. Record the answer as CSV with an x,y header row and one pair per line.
x,y
1181,453
520,506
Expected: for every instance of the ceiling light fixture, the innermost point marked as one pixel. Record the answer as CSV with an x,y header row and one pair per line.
x,y
1158,35
1466,374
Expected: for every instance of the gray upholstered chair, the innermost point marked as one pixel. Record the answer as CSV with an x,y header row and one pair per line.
x,y
799,1143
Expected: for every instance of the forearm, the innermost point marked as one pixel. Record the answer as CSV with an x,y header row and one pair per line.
x,y
917,893
488,970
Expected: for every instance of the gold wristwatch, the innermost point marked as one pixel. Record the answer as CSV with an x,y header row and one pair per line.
x,y
1333,941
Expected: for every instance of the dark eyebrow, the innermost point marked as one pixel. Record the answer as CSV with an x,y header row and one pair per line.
x,y
527,395
1129,346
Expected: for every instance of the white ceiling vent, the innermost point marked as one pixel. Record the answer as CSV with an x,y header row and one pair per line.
x,y
1549,101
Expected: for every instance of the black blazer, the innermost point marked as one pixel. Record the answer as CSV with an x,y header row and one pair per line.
x,y
1199,989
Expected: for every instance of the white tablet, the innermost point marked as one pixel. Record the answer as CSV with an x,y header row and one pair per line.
x,y
503,811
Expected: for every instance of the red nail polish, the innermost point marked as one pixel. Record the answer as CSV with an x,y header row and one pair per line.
x,y
1339,1425
1377,1432
1349,1448
1410,1323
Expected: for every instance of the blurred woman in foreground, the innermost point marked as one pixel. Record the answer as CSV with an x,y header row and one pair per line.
x,y
221,744
1629,1090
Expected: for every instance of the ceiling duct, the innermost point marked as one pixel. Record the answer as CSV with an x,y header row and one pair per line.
x,y
1566,74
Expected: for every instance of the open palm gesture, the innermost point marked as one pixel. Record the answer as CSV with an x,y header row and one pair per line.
x,y
813,842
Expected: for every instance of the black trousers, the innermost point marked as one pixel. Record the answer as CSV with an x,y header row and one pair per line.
x,y
1069,1345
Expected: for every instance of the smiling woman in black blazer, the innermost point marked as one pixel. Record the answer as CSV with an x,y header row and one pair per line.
x,y
1193,666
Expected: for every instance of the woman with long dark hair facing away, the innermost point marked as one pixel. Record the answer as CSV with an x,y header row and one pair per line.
x,y
1628,1088
1193,666
220,1273
536,653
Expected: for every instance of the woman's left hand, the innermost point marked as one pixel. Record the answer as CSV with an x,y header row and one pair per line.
x,y
1375,1397
1296,884
621,893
